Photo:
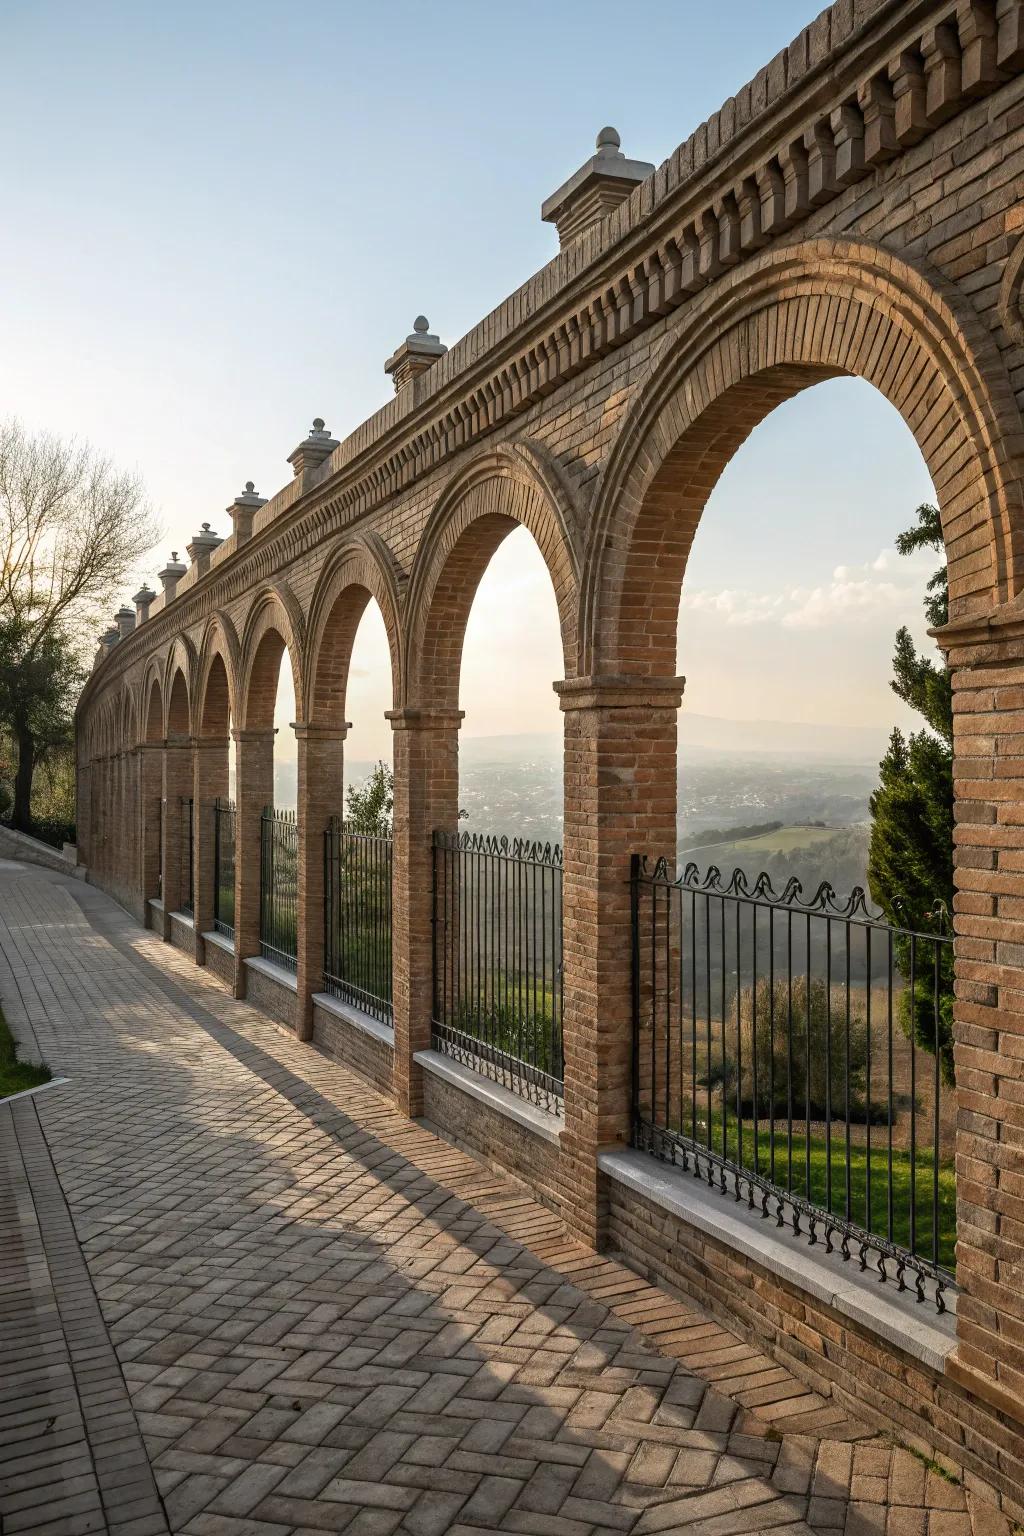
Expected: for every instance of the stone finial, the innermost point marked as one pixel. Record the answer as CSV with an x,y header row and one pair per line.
x,y
142,599
201,547
171,574
418,352
314,449
597,188
243,510
124,618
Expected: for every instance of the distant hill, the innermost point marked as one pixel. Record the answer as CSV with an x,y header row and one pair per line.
x,y
707,734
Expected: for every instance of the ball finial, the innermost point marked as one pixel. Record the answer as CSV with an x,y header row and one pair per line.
x,y
249,488
421,325
318,423
608,141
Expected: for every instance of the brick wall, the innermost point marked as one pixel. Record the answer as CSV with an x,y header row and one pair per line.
x,y
869,1377
496,1140
856,209
371,1058
274,997
221,962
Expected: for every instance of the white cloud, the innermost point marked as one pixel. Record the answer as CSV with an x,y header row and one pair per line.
x,y
889,587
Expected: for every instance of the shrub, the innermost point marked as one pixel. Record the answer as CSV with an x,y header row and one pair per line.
x,y
792,1030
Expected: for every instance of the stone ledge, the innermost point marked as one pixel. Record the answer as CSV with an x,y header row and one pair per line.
x,y
383,1033
185,919
19,845
221,940
929,1337
540,1121
276,973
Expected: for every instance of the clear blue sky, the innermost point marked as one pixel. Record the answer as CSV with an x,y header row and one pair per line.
x,y
219,220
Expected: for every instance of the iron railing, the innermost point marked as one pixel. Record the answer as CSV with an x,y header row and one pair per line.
x,y
357,918
224,867
279,886
186,876
498,960
770,1061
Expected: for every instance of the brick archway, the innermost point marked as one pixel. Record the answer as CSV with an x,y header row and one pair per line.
x,y
819,310
217,678
273,627
500,490
359,571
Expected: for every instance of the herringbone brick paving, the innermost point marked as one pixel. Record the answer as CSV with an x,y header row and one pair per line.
x,y
326,1319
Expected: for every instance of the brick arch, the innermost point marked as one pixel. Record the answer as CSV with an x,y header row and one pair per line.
x,y
819,310
179,712
180,661
217,674
127,713
515,485
273,628
361,570
152,706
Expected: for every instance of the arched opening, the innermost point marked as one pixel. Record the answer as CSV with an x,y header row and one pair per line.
x,y
267,850
348,849
213,809
178,882
711,967
510,757
493,612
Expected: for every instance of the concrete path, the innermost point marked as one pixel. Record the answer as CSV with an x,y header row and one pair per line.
x,y
241,1296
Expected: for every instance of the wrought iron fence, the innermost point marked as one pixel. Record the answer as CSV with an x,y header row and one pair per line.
x,y
279,886
224,867
187,871
796,1053
498,960
357,918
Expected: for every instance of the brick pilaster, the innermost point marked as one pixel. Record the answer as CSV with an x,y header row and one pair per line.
x,y
321,752
620,798
210,782
426,768
986,659
254,788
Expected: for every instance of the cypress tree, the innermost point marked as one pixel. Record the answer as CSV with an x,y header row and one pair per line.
x,y
910,857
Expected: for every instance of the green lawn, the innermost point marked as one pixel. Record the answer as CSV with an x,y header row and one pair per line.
x,y
873,1217
783,840
15,1075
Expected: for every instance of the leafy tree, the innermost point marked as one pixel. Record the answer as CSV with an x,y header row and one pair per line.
x,y
910,858
369,807
71,529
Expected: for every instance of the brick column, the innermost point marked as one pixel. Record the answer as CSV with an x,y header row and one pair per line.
x,y
620,798
150,812
987,664
177,783
321,751
83,813
209,783
426,768
254,788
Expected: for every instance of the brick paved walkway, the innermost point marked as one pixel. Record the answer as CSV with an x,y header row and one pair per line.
x,y
288,1309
